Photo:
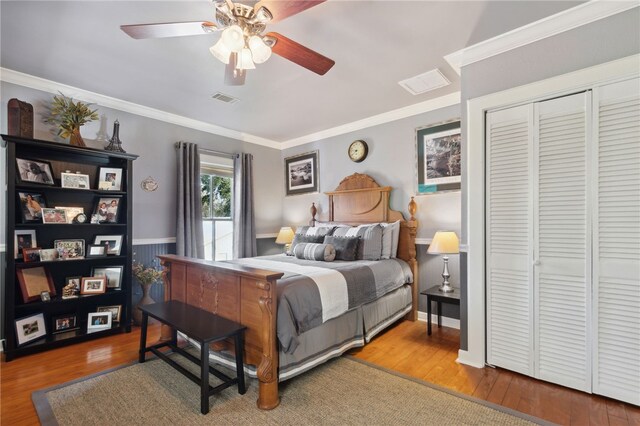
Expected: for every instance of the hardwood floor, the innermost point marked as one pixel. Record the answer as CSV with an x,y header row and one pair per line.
x,y
405,348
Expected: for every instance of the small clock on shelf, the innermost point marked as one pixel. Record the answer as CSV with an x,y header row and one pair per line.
x,y
358,151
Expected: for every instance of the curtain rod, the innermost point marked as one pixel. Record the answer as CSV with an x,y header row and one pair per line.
x,y
211,151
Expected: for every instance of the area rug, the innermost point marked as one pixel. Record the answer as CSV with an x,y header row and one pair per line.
x,y
344,391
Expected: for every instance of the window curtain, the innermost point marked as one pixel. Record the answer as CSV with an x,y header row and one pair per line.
x,y
244,226
189,233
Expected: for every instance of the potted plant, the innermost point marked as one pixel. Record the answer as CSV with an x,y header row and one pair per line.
x,y
146,276
68,116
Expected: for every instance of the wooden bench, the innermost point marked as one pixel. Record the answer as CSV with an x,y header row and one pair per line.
x,y
203,327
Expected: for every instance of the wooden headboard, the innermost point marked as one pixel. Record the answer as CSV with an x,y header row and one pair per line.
x,y
359,199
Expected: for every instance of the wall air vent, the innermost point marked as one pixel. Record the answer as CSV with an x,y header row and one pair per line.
x,y
422,83
224,98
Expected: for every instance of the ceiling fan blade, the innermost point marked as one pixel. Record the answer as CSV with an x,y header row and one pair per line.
x,y
170,29
233,76
281,9
300,54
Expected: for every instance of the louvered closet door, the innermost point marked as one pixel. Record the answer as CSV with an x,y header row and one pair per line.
x,y
617,242
562,275
509,230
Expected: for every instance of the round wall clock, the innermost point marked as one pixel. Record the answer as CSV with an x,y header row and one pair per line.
x,y
358,151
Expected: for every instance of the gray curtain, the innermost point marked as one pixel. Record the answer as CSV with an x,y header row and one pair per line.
x,y
189,234
244,223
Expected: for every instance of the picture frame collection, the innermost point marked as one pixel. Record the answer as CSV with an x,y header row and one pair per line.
x,y
33,205
34,171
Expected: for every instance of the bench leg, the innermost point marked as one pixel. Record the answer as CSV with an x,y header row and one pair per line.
x,y
239,364
204,378
143,337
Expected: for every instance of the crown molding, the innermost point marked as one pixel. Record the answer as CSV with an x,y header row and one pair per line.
x,y
33,82
566,20
386,117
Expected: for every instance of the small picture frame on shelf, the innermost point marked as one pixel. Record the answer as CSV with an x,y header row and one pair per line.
x,y
71,287
30,328
34,171
33,281
74,180
69,249
45,296
48,255
31,254
115,312
50,215
98,321
93,285
106,209
72,213
23,239
110,179
64,323
96,250
113,275
31,204
114,243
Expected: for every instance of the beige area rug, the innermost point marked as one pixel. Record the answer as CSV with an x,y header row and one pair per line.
x,y
343,391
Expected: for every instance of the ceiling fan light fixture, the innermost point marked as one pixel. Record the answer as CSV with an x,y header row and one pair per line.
x,y
233,38
244,60
221,51
263,15
259,50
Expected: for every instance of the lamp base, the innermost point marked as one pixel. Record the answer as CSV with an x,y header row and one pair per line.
x,y
446,288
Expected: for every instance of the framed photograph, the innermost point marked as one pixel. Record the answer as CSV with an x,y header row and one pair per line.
x,y
31,254
71,287
96,250
74,180
114,243
34,171
301,173
47,255
98,321
30,328
93,285
45,296
34,281
112,273
69,249
64,323
23,238
110,179
31,204
438,153
71,212
115,311
50,215
107,209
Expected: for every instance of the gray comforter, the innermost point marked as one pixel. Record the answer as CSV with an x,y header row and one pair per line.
x,y
313,292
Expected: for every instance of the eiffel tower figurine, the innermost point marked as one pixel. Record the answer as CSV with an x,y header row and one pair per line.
x,y
114,142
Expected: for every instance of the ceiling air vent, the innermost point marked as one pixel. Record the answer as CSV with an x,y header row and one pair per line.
x,y
422,83
224,98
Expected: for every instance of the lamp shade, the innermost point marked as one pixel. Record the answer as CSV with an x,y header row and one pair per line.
x,y
233,38
259,50
444,242
285,236
244,60
220,51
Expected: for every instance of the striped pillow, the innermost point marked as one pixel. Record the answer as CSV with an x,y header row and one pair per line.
x,y
311,251
370,245
300,238
320,231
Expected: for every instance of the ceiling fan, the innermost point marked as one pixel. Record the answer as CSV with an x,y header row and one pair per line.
x,y
242,44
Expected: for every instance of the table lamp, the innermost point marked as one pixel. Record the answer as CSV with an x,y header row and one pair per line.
x,y
285,236
445,242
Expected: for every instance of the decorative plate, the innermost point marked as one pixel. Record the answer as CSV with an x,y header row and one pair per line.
x,y
149,184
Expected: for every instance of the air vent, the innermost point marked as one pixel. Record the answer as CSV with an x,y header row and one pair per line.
x,y
224,98
422,83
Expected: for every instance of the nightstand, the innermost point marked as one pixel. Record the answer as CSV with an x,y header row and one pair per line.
x,y
435,295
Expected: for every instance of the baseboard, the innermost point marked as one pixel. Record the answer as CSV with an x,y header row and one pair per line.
x,y
446,321
465,358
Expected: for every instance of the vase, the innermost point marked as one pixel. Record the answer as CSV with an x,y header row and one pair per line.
x,y
76,138
146,300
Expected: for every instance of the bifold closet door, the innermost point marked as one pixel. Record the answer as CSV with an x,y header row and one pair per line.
x,y
509,230
616,246
562,243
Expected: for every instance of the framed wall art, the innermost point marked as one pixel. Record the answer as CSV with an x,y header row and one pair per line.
x,y
113,243
115,311
110,179
34,171
23,239
64,323
74,180
106,209
301,173
438,151
93,285
34,281
112,273
98,321
30,328
31,204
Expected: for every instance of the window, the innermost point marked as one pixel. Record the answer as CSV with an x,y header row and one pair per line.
x,y
216,179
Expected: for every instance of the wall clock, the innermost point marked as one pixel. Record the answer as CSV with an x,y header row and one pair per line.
x,y
358,151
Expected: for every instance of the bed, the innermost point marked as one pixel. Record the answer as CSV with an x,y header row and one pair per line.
x,y
284,339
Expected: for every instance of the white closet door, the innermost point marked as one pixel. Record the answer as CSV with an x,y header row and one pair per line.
x,y
617,242
562,275
509,230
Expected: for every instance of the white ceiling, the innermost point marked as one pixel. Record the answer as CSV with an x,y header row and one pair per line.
x,y
375,45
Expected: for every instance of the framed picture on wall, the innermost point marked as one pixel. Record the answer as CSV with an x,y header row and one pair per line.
x,y
438,152
301,173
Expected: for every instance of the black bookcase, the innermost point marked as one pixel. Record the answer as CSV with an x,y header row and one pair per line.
x,y
65,158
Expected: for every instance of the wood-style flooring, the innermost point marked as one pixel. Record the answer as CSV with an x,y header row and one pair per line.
x,y
405,348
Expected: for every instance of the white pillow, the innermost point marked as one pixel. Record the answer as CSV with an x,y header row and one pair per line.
x,y
395,236
387,240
